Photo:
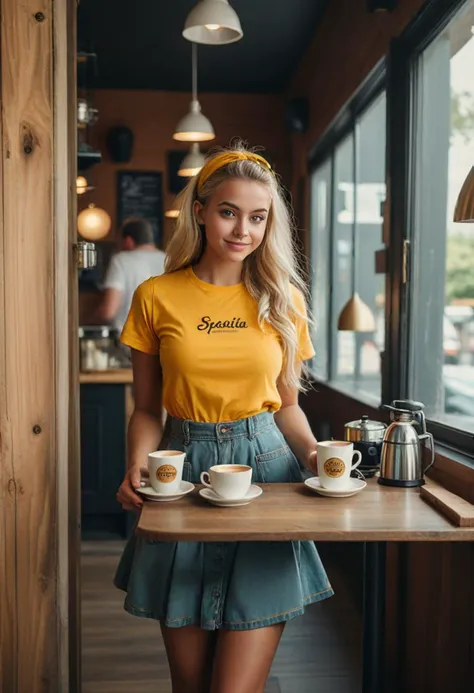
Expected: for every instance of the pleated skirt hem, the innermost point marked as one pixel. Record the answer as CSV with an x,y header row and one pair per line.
x,y
282,617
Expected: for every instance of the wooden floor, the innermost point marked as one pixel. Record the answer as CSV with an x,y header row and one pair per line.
x,y
319,652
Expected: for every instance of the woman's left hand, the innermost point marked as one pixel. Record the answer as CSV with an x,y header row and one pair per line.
x,y
313,463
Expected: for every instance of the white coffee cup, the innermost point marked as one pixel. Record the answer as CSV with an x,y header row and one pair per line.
x,y
335,463
165,468
229,481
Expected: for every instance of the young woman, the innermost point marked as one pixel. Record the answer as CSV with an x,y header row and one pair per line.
x,y
221,337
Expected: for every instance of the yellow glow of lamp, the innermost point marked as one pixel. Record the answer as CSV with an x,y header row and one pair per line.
x,y
81,185
93,223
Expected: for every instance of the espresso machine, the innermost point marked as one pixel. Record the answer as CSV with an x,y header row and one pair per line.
x,y
401,462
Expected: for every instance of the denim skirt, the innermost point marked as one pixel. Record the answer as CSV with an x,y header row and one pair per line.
x,y
230,585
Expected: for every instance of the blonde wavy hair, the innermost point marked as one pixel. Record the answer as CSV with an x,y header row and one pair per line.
x,y
269,271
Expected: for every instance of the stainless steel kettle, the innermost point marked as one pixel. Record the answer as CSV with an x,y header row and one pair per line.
x,y
401,462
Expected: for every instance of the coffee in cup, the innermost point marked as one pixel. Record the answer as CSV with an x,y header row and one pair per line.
x,y
335,463
229,481
165,468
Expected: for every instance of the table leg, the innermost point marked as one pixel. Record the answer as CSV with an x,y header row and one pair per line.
x,y
373,617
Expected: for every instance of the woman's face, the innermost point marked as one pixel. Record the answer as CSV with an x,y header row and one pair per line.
x,y
235,218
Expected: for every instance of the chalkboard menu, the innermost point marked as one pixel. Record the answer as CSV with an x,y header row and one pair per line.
x,y
140,194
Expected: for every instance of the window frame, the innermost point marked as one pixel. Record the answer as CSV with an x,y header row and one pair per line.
x,y
394,74
401,102
342,127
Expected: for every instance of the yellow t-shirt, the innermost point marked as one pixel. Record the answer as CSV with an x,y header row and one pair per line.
x,y
217,363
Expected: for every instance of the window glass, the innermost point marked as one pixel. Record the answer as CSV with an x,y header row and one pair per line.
x,y
441,364
320,265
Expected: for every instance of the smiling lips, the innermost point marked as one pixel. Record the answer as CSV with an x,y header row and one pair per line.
x,y
237,244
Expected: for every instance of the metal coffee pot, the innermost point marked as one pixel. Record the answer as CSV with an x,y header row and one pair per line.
x,y
367,436
401,461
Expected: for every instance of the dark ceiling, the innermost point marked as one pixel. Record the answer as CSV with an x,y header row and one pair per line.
x,y
139,45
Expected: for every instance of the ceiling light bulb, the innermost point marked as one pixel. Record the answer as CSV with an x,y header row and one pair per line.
x,y
213,27
172,213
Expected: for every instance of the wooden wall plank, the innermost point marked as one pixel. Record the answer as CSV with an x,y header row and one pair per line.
x,y
35,342
29,332
66,346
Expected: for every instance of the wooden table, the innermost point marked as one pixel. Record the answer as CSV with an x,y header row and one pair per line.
x,y
291,511
283,512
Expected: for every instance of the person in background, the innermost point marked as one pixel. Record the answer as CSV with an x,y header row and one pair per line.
x,y
138,260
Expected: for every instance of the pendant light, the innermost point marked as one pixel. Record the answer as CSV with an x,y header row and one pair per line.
x,y
192,162
213,22
93,223
464,211
194,127
172,213
82,185
356,315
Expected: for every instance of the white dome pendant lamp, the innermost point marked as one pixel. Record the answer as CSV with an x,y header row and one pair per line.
x,y
213,22
194,127
192,162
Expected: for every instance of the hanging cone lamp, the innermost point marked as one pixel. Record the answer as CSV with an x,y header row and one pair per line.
x,y
213,22
464,210
356,316
194,127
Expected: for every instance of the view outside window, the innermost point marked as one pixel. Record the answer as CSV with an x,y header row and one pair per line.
x,y
320,263
343,248
442,282
342,258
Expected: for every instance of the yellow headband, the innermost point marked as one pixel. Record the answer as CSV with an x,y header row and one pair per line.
x,y
225,158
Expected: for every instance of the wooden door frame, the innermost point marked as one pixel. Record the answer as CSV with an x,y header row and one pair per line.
x,y
39,392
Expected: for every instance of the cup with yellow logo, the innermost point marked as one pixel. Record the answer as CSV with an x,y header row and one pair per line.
x,y
335,463
165,468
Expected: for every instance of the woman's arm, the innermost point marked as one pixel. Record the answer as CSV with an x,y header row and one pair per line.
x,y
292,422
145,429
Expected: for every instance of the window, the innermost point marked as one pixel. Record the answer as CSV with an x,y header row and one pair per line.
x,y
441,287
320,223
347,193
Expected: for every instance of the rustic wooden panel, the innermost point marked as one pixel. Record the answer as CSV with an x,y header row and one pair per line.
x,y
455,508
35,374
433,620
67,346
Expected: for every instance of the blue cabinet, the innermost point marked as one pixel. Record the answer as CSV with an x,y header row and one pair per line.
x,y
103,459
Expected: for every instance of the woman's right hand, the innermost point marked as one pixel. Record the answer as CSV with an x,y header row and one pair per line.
x,y
126,496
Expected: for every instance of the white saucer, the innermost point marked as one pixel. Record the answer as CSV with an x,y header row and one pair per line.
x,y
212,497
150,493
355,486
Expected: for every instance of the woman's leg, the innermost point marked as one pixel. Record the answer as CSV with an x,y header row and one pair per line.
x,y
243,659
190,651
